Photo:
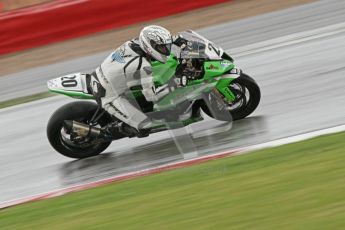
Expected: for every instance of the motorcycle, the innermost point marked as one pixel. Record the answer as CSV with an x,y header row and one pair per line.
x,y
199,76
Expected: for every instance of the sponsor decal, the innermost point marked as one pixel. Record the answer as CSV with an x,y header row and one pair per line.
x,y
212,67
116,56
119,55
118,111
225,64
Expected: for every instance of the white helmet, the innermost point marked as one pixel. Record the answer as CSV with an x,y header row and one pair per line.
x,y
156,41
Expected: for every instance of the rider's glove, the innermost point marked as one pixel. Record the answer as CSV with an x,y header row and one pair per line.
x,y
155,94
178,40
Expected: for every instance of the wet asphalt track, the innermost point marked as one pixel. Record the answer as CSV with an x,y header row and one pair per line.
x,y
303,89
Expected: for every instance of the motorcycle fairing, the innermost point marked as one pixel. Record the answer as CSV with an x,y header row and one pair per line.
x,y
72,85
162,73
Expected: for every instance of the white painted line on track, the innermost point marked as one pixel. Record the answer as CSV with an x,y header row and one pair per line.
x,y
288,40
293,139
52,99
171,166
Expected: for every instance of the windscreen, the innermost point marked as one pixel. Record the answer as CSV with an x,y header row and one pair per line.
x,y
199,47
195,45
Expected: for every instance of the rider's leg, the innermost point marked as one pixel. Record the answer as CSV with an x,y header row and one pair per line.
x,y
116,104
121,108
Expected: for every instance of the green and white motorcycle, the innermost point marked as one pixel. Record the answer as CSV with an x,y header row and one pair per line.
x,y
200,76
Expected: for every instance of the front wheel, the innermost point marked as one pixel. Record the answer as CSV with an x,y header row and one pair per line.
x,y
247,97
60,140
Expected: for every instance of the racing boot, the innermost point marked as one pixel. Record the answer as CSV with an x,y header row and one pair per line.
x,y
119,127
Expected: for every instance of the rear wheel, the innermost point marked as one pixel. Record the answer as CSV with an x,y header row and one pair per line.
x,y
247,97
59,138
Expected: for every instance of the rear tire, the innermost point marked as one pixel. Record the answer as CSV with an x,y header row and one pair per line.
x,y
246,109
80,110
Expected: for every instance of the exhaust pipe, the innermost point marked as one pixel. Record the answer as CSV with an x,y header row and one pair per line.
x,y
80,129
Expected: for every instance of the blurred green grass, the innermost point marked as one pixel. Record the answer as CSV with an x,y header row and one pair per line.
x,y
296,186
21,100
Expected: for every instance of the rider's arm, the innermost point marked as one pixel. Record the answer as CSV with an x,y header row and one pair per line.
x,y
150,92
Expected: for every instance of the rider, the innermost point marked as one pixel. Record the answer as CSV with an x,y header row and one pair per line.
x,y
130,65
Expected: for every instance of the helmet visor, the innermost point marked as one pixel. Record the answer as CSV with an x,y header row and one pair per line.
x,y
164,49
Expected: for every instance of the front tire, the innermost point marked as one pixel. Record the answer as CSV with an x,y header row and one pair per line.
x,y
78,111
247,94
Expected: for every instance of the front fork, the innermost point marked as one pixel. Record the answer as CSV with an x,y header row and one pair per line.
x,y
223,84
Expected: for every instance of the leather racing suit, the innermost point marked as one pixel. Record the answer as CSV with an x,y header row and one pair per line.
x,y
127,66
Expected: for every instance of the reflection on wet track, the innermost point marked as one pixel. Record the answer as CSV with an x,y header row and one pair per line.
x,y
153,154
